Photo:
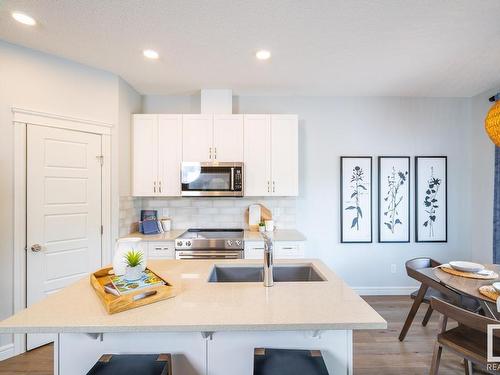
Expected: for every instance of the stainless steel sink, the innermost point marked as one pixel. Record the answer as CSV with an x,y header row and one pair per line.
x,y
253,274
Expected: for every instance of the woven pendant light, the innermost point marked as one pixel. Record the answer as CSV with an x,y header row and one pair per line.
x,y
492,120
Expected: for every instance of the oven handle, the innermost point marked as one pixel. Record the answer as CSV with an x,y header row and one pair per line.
x,y
210,255
232,178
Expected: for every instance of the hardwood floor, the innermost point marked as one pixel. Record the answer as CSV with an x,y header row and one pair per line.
x,y
377,352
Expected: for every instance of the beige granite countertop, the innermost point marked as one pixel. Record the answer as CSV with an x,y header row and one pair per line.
x,y
203,306
277,235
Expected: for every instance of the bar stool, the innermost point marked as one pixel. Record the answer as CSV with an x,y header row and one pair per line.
x,y
288,362
133,364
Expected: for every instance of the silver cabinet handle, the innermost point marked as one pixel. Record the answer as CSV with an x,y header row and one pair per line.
x,y
268,183
273,186
36,248
210,152
215,153
159,185
154,186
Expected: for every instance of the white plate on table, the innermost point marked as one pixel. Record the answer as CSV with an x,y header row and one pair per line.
x,y
466,266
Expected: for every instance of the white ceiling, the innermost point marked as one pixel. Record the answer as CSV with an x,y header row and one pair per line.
x,y
319,47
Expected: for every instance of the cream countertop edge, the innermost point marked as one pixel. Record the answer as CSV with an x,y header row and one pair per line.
x,y
203,306
277,235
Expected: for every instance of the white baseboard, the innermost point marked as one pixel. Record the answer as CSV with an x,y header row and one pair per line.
x,y
6,351
385,291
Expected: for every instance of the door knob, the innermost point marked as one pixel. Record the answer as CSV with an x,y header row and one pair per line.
x,y
36,248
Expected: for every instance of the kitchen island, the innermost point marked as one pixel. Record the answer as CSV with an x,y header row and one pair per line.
x,y
209,327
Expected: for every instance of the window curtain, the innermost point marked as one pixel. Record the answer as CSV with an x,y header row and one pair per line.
x,y
496,210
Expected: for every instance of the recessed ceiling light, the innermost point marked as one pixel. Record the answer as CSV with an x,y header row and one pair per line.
x,y
263,54
150,54
24,18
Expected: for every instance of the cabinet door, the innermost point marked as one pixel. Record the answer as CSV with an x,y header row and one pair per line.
x,y
145,155
197,138
284,155
169,155
228,138
257,155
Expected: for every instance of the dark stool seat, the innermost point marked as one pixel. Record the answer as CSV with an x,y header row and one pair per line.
x,y
133,364
288,362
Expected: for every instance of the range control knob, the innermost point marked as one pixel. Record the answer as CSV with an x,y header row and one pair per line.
x,y
229,243
188,243
238,243
179,243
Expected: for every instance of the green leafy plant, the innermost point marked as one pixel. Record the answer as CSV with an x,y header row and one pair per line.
x,y
133,258
357,184
431,202
394,182
262,224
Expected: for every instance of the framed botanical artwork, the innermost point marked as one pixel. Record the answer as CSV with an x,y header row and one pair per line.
x,y
431,201
356,199
394,199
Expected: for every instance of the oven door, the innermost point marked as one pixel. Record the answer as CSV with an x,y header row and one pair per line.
x,y
212,179
209,254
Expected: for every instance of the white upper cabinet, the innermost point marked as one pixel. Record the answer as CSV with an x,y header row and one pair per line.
x,y
145,154
169,155
228,138
257,159
271,155
285,155
197,138
157,150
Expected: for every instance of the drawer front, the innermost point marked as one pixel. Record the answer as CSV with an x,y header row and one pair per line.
x,y
161,250
254,250
282,250
291,250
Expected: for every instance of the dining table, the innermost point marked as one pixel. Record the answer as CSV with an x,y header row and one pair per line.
x,y
467,286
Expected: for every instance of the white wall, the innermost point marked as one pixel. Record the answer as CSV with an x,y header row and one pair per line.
x,y
330,127
480,167
41,82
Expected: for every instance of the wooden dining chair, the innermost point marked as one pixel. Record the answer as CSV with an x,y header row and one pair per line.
x,y
468,340
429,287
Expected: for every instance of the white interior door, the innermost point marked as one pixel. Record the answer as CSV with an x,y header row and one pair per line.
x,y
228,138
285,155
257,155
197,138
63,211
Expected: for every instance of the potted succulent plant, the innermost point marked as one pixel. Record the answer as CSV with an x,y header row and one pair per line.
x,y
134,260
262,227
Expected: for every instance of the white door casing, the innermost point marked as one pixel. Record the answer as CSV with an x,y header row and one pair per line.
x,y
228,138
63,211
257,155
197,138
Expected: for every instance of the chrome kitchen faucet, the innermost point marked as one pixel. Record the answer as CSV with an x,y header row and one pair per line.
x,y
268,261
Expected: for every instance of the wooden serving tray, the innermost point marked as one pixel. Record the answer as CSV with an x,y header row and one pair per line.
x,y
114,304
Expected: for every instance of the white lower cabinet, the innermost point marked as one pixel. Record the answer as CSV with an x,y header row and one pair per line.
x,y
282,249
161,250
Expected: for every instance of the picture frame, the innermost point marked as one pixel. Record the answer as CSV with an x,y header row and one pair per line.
x,y
356,224
431,199
393,199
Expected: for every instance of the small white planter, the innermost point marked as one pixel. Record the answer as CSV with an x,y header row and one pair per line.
x,y
133,273
262,228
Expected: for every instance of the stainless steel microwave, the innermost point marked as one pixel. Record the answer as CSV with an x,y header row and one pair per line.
x,y
217,179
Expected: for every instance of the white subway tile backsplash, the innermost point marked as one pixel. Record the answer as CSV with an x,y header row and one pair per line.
x,y
206,212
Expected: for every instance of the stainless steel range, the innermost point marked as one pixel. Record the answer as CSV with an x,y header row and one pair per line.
x,y
210,244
